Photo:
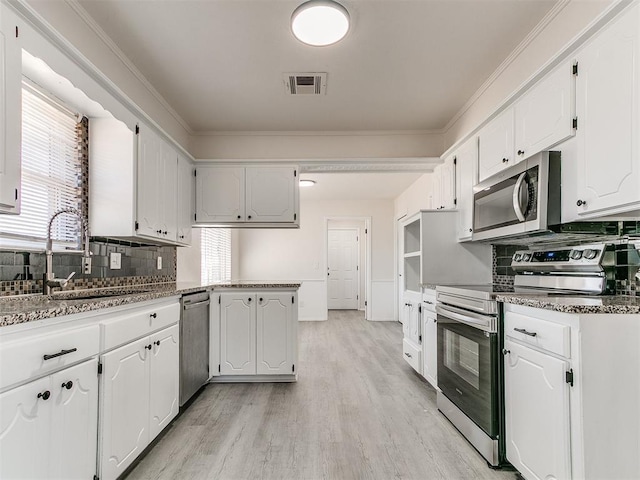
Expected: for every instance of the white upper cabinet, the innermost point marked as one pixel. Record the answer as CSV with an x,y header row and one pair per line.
x,y
607,104
444,185
271,194
247,195
496,145
185,200
466,177
10,112
136,189
544,114
220,194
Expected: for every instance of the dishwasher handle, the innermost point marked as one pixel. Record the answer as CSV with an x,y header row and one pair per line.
x,y
189,306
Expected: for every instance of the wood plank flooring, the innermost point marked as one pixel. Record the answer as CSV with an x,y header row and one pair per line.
x,y
358,411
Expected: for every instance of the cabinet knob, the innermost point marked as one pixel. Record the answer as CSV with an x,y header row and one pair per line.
x,y
470,230
581,203
68,385
408,355
44,395
435,321
157,342
181,236
505,160
165,232
249,299
520,152
148,347
249,217
505,351
153,315
158,231
239,217
260,299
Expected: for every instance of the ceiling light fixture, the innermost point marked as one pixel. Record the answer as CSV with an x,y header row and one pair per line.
x,y
307,183
320,22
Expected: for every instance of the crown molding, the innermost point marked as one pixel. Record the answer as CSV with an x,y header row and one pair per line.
x,y
315,133
106,39
531,36
340,165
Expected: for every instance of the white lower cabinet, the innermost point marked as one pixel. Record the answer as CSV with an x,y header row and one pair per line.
x,y
429,347
258,333
139,397
48,427
411,328
537,413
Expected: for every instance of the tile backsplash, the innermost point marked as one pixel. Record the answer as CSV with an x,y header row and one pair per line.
x,y
21,272
627,266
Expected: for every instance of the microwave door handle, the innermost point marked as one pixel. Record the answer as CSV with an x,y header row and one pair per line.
x,y
517,202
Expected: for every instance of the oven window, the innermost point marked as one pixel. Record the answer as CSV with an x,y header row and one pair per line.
x,y
462,356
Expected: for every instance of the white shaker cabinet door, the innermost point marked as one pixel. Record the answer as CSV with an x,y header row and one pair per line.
x,y
164,383
75,424
150,176
167,192
10,112
237,334
271,194
544,115
220,194
124,421
466,178
537,413
185,201
429,346
25,431
496,145
275,334
607,105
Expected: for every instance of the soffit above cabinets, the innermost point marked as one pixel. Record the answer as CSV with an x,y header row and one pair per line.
x,y
404,65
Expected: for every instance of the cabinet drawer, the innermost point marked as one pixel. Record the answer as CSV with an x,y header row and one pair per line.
x,y
429,300
128,326
413,355
552,337
24,359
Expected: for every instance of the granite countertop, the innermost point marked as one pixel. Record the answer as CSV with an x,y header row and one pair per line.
x,y
617,304
26,308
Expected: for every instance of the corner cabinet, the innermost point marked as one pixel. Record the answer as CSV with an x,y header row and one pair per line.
x,y
258,336
444,185
140,187
608,111
10,112
247,196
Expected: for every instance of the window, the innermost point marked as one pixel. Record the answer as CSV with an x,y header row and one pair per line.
x,y
51,175
215,255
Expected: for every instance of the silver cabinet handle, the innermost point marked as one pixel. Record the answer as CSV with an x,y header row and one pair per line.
x,y
523,331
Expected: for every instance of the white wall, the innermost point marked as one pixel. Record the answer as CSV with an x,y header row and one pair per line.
x,y
188,260
300,254
557,34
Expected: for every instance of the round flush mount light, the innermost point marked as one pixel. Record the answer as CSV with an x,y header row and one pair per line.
x,y
307,183
320,22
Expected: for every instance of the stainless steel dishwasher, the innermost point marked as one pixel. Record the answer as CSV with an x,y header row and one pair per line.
x,y
194,344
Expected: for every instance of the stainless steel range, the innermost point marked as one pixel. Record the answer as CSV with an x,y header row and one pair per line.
x,y
470,335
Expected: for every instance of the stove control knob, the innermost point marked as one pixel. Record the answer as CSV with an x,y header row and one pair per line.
x,y
526,257
590,254
517,257
576,254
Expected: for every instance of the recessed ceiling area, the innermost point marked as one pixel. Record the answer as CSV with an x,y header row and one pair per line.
x,y
404,65
356,186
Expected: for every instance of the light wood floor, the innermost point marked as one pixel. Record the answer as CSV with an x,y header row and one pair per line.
x,y
358,411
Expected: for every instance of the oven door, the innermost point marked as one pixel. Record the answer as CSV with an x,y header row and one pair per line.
x,y
468,368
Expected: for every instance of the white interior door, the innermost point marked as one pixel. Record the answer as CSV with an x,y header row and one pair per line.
x,y
343,269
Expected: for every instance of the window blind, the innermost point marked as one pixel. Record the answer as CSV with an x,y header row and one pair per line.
x,y
215,255
51,175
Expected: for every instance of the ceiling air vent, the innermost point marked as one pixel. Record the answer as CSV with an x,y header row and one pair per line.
x,y
305,83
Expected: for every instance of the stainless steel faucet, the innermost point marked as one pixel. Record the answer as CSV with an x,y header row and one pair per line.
x,y
49,281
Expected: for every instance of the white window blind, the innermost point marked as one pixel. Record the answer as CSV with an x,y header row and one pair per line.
x,y
51,175
215,254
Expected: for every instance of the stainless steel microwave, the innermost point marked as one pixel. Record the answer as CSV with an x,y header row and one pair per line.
x,y
523,199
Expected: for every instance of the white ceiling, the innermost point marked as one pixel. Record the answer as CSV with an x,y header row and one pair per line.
x,y
405,65
356,186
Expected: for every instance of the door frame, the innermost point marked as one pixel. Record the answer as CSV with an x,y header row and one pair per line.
x,y
359,252
398,268
367,257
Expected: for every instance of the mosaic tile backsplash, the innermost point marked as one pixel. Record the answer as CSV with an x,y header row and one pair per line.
x,y
21,272
627,272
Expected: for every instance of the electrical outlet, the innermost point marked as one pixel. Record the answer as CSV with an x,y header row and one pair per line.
x,y
115,261
159,263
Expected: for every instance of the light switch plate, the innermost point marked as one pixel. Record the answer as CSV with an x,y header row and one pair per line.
x,y
159,263
115,261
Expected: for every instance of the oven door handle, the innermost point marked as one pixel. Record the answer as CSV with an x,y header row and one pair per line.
x,y
480,321
518,200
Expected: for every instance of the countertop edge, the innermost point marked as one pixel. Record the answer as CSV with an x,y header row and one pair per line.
x,y
618,305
